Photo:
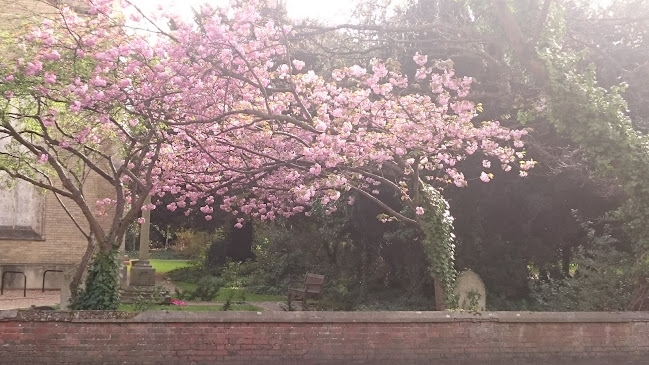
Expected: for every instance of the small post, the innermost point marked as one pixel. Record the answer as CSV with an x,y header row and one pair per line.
x,y
145,228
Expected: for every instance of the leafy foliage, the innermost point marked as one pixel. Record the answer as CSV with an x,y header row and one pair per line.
x,y
195,243
150,300
599,124
227,305
438,242
206,290
604,280
367,264
102,284
190,274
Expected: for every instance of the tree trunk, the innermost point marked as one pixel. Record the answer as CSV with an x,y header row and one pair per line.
x,y
100,291
81,269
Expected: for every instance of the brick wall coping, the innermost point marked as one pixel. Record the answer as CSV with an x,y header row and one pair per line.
x,y
321,317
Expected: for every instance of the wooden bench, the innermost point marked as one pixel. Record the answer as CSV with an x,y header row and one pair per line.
x,y
311,288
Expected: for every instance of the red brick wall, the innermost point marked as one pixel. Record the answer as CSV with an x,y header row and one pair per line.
x,y
324,338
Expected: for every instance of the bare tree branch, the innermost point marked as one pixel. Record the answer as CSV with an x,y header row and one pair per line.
x,y
390,211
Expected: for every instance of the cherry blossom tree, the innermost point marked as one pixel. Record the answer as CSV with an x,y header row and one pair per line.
x,y
73,95
219,114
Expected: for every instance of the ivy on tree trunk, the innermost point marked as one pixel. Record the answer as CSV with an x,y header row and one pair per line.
x,y
101,290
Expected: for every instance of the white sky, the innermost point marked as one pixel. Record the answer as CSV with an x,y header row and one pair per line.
x,y
329,11
333,11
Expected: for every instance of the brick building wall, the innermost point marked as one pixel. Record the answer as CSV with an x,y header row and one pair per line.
x,y
324,338
61,244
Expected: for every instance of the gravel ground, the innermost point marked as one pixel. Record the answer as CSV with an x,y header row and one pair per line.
x,y
12,299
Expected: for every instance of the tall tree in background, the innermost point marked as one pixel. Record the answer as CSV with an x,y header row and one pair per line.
x,y
554,67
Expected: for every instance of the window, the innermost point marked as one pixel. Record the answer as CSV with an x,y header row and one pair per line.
x,y
21,212
21,206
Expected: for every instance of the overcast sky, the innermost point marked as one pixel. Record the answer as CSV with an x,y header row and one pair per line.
x,y
330,11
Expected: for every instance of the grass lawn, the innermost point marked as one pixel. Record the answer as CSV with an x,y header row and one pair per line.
x,y
240,295
164,266
193,308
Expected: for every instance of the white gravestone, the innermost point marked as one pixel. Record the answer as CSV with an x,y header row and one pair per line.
x,y
470,291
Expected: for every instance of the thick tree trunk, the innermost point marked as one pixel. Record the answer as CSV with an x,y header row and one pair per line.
x,y
81,269
100,291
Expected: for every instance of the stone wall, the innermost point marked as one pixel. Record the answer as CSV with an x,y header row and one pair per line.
x,y
323,338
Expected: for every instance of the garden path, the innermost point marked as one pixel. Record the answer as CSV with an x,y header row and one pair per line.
x,y
13,298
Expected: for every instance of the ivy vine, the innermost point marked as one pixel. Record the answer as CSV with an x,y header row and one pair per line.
x,y
438,241
101,290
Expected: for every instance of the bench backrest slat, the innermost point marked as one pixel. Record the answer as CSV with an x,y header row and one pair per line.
x,y
313,283
313,279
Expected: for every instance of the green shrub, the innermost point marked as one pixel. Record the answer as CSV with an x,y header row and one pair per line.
x,y
236,274
227,305
190,274
283,254
194,243
206,290
339,297
180,294
146,302
603,280
354,265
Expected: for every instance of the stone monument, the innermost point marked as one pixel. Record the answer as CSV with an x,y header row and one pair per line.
x,y
142,277
470,291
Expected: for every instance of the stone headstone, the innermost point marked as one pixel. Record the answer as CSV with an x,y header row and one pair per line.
x,y
470,291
